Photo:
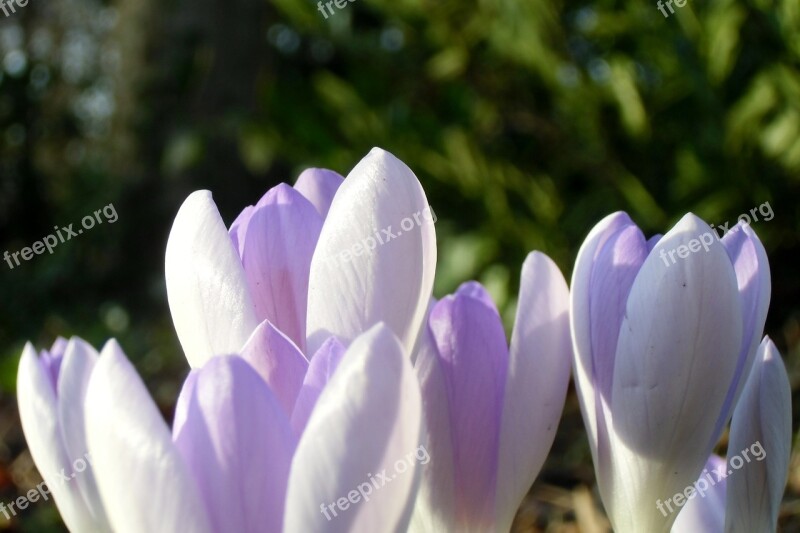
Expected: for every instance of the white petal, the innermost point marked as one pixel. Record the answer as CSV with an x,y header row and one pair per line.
x,y
206,286
435,508
38,412
761,437
366,422
358,280
144,483
704,512
538,376
76,370
676,356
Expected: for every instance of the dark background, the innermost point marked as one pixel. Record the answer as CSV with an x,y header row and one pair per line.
x,y
525,121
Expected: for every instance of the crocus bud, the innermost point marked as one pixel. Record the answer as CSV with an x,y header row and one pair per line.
x,y
664,331
491,410
762,425
51,390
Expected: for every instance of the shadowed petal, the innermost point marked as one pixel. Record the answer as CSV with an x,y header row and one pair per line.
x,y
319,186
206,285
762,425
144,482
366,421
360,275
538,376
581,329
237,442
320,371
279,363
755,288
615,267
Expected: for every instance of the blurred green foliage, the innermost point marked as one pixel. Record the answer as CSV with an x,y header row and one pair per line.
x,y
526,121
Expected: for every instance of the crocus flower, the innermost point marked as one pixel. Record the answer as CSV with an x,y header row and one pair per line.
x,y
763,415
748,496
327,257
491,411
232,461
50,393
665,331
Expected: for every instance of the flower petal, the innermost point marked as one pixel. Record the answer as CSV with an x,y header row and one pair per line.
x,y
538,376
239,228
279,242
762,424
675,359
143,480
76,370
238,444
206,285
704,512
755,288
279,363
319,186
473,355
38,411
366,422
359,274
435,509
581,329
320,371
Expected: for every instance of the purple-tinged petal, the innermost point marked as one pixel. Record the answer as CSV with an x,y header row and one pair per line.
x,y
320,371
538,376
366,423
762,426
207,289
675,358
279,363
616,265
51,360
38,411
143,480
755,288
360,275
238,228
581,329
474,358
280,240
319,186
704,512
238,445
652,241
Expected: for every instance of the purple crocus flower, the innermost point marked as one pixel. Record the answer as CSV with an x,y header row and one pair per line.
x,y
665,331
491,411
748,497
327,257
232,461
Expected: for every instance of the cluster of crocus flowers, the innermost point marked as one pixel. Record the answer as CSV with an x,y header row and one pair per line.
x,y
319,360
